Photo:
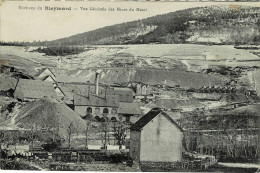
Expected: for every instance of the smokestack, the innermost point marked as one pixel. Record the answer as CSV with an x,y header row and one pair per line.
x,y
96,83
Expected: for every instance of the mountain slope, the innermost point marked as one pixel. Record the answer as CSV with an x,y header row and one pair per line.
x,y
216,24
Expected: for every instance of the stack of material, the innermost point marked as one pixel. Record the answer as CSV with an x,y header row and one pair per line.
x,y
48,113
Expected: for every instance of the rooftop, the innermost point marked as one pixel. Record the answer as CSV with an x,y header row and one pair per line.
x,y
34,89
149,116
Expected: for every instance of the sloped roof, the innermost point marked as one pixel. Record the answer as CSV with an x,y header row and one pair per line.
x,y
46,77
149,116
35,88
82,89
93,100
123,95
41,71
129,108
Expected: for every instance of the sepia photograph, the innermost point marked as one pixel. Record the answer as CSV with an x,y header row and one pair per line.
x,y
128,86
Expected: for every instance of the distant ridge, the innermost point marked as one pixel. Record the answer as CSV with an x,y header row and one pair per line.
x,y
222,24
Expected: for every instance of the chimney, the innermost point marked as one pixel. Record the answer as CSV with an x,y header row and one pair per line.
x,y
96,83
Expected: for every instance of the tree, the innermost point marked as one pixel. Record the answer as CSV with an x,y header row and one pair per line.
x,y
51,145
120,130
88,128
71,129
104,132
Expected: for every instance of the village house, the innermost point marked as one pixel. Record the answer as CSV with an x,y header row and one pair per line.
x,y
33,89
156,137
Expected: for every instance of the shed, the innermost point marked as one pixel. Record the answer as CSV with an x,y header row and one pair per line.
x,y
156,137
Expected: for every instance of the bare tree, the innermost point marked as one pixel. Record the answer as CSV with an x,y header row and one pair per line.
x,y
70,131
104,133
120,131
88,128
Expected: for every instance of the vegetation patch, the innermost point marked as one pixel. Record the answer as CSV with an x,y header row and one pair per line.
x,y
60,50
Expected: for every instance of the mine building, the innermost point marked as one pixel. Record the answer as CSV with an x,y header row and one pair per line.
x,y
107,103
156,137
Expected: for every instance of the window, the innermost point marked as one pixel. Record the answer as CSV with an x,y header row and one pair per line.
x,y
127,119
105,111
89,111
113,111
97,111
113,119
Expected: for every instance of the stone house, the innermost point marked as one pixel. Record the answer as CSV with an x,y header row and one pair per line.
x,y
156,137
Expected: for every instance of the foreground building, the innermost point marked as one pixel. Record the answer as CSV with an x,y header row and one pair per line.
x,y
156,137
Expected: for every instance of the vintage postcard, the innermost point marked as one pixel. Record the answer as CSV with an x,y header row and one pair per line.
x,y
128,86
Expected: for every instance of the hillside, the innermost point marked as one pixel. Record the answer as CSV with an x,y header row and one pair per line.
x,y
214,24
49,113
151,76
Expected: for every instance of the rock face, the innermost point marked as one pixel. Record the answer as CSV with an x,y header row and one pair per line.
x,y
50,113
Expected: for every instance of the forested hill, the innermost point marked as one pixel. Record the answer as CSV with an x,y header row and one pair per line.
x,y
214,24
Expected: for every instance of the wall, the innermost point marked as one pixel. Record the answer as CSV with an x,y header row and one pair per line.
x,y
135,137
161,141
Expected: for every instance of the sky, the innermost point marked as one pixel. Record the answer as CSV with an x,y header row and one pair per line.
x,y
19,24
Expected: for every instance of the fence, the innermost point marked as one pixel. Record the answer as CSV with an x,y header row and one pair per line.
x,y
179,165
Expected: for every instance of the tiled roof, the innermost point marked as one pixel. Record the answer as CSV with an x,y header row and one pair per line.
x,y
93,100
149,116
34,89
129,108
